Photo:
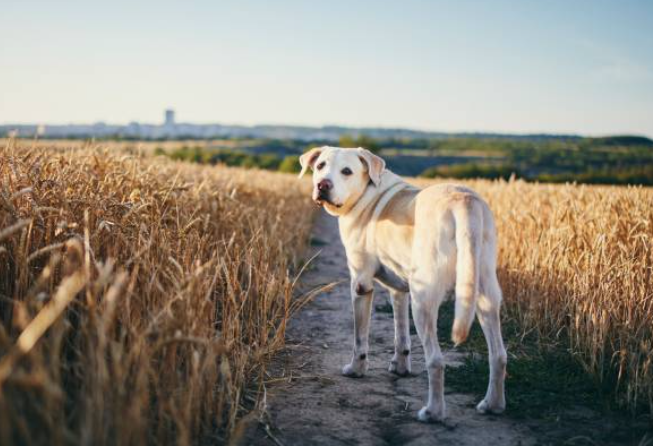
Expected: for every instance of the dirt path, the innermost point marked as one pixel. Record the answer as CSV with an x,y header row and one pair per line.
x,y
315,405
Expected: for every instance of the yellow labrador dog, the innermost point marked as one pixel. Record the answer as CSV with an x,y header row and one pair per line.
x,y
423,242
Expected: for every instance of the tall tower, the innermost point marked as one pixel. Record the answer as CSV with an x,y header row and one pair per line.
x,y
170,118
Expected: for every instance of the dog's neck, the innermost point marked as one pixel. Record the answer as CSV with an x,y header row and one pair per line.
x,y
373,199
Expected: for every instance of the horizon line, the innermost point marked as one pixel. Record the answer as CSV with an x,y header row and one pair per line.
x,y
344,126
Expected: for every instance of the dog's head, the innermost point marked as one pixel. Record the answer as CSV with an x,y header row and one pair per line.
x,y
340,176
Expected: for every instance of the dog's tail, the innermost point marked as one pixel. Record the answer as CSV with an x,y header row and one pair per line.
x,y
468,217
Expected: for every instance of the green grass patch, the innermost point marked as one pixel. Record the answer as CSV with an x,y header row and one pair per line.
x,y
546,388
543,380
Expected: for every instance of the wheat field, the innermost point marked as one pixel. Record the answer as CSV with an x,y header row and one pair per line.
x,y
576,264
173,282
140,299
576,267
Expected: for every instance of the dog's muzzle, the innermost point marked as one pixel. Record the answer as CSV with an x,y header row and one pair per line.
x,y
322,198
323,192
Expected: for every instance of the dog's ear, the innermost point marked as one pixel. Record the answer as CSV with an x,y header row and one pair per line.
x,y
375,164
308,159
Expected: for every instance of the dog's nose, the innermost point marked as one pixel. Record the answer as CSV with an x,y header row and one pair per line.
x,y
324,185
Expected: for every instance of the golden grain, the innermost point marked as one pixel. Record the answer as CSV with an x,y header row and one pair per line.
x,y
185,284
188,287
575,264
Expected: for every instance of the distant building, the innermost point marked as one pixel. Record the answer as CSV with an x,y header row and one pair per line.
x,y
133,129
170,118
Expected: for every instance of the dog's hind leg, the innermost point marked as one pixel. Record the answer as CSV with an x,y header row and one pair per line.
x,y
488,306
426,297
400,363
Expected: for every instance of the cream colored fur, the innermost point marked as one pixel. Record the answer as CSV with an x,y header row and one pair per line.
x,y
422,243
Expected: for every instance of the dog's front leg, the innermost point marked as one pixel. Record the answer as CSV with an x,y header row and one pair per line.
x,y
362,291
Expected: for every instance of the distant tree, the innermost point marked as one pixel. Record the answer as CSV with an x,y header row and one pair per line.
x,y
368,143
347,141
268,161
471,170
197,155
290,164
249,162
619,140
363,141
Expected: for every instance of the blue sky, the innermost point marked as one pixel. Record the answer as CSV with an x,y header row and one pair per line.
x,y
503,66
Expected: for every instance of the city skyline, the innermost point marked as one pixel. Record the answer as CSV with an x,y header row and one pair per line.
x,y
163,122
170,128
509,67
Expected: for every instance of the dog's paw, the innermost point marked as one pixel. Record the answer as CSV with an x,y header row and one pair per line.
x,y
400,364
490,408
354,370
399,368
431,415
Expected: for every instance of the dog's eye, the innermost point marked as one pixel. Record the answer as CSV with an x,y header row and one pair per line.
x,y
346,171
321,165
